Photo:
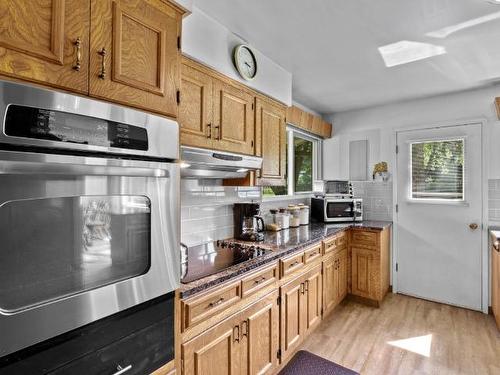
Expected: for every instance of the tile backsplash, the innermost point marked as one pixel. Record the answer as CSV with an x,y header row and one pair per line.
x,y
207,209
377,199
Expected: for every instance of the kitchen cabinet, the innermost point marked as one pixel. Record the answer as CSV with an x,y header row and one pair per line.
x,y
134,53
334,279
270,130
497,104
495,282
364,264
195,110
246,343
234,123
301,301
46,42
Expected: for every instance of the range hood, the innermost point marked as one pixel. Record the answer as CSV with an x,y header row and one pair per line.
x,y
201,163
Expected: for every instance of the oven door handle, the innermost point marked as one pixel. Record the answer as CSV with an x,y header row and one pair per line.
x,y
28,167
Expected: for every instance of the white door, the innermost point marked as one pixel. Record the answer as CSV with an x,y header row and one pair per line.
x,y
439,197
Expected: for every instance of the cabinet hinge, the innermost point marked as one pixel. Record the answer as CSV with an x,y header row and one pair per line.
x,y
252,143
182,366
178,96
397,208
397,267
179,43
397,149
278,354
278,300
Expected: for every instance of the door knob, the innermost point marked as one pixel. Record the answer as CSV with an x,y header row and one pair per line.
x,y
473,226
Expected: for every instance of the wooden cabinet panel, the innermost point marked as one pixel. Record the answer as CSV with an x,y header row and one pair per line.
x,y
195,110
329,245
260,337
270,135
342,274
495,284
292,320
259,280
497,104
330,286
215,352
140,66
292,264
38,42
234,129
312,254
314,296
364,273
362,238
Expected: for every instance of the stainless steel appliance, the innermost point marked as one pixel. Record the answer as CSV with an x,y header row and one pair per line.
x,y
333,188
201,163
329,209
207,259
89,212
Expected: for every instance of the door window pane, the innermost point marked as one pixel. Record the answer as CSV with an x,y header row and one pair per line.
x,y
56,247
437,169
303,163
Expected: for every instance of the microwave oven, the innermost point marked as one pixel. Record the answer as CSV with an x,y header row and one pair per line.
x,y
331,210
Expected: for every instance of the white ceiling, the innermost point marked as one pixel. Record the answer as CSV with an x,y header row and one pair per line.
x,y
331,46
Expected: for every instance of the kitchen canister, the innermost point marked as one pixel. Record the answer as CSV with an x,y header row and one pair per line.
x,y
303,214
283,218
294,215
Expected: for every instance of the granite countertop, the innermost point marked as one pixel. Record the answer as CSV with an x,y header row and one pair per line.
x,y
281,243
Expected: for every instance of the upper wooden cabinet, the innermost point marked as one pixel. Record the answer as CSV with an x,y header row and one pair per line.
x,y
308,122
46,42
215,113
134,55
196,107
270,135
234,125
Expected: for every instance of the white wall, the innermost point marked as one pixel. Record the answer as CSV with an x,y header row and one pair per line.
x,y
211,43
378,125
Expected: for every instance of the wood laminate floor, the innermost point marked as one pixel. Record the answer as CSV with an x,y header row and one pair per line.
x,y
408,336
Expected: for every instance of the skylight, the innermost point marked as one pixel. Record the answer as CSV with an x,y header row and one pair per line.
x,y
406,51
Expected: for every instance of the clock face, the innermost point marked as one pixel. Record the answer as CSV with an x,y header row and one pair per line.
x,y
245,62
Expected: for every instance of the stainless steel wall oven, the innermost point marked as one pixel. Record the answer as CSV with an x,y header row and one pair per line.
x,y
89,196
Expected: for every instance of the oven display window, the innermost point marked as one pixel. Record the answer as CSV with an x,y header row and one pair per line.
x,y
339,209
36,123
56,247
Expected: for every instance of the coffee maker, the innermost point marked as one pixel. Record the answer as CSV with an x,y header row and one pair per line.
x,y
248,224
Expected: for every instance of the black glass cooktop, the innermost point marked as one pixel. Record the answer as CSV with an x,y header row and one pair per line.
x,y
208,259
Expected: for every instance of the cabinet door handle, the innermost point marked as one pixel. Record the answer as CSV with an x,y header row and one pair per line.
x,y
218,302
236,338
217,135
307,286
293,264
244,333
122,370
258,281
78,46
302,288
103,53
209,127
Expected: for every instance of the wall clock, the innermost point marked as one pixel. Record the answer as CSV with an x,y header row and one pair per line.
x,y
245,62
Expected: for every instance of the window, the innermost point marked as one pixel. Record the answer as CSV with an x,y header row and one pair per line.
x,y
302,165
437,170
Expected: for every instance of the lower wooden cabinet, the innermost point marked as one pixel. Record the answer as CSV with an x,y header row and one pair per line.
x,y
334,279
246,343
495,284
364,264
301,301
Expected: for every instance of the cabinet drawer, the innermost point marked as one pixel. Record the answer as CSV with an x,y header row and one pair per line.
x,y
342,240
313,253
259,280
330,245
292,264
364,238
201,307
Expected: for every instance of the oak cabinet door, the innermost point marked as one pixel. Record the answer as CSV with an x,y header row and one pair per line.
x,y
46,41
270,140
260,337
495,285
195,110
363,273
215,352
292,320
134,58
342,274
234,128
329,285
313,303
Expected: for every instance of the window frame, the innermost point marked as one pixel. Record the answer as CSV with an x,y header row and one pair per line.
x,y
442,201
291,133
